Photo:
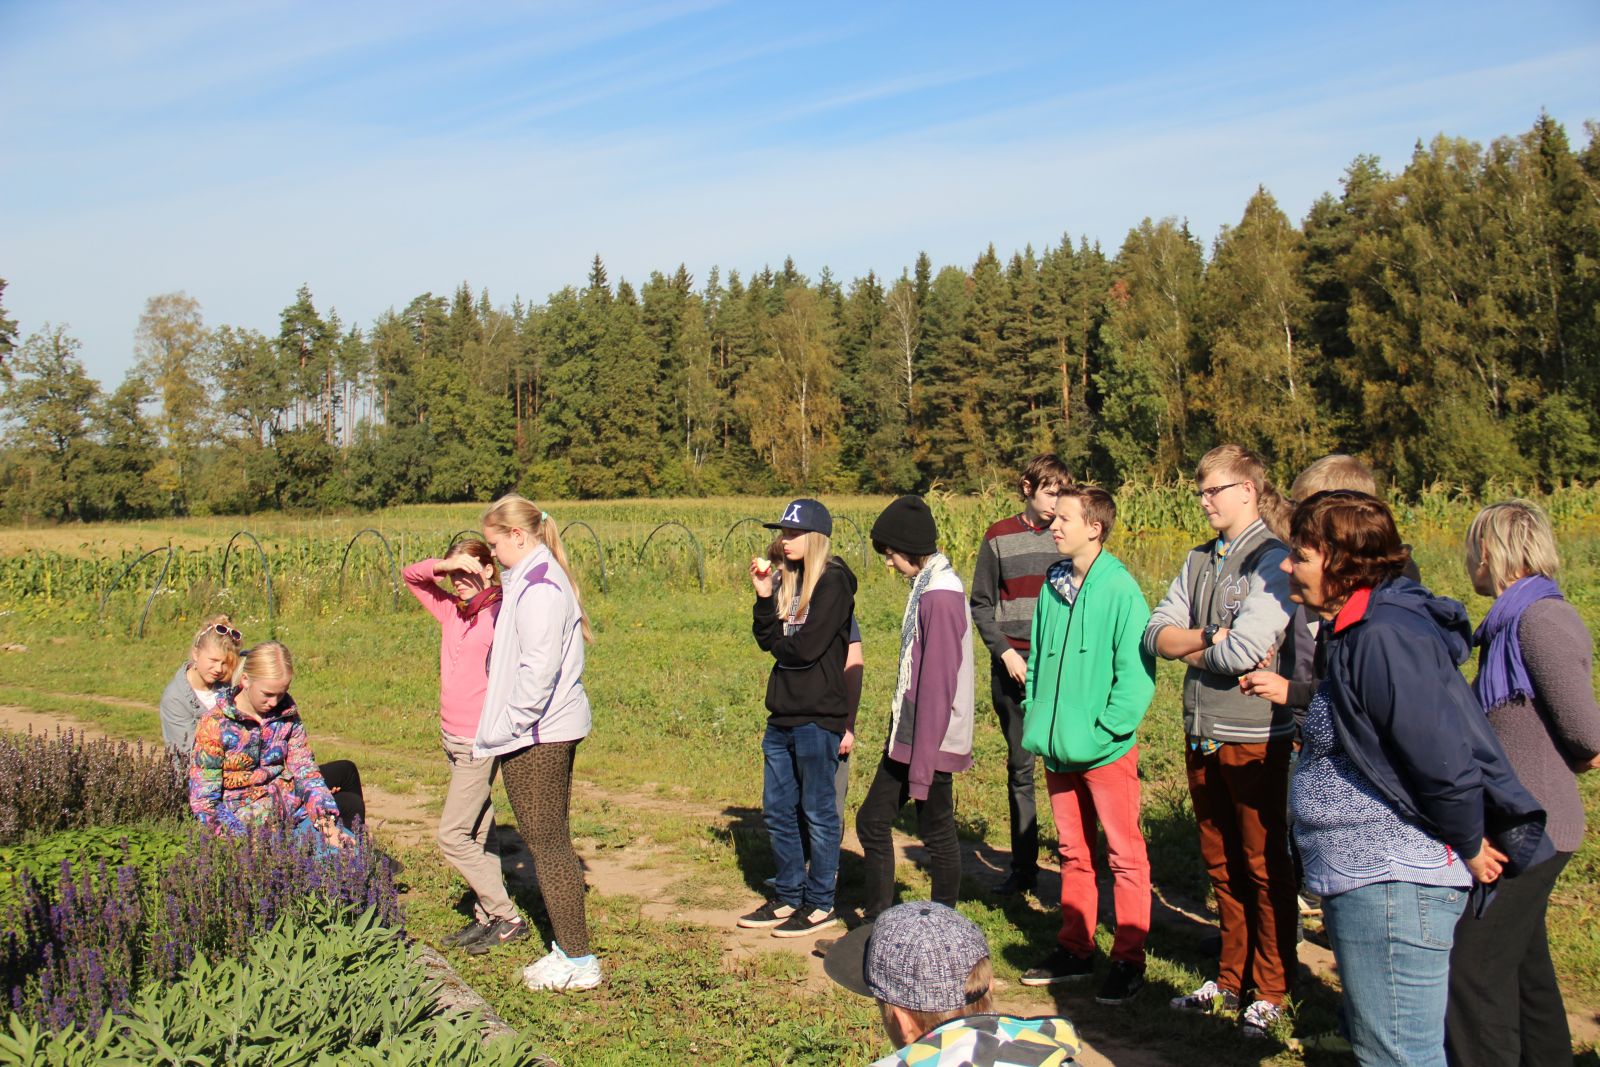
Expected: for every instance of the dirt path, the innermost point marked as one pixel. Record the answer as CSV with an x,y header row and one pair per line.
x,y
656,876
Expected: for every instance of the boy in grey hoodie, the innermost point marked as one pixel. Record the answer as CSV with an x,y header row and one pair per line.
x,y
1223,615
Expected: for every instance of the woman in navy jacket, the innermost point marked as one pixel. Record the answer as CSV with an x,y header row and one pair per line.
x,y
1403,798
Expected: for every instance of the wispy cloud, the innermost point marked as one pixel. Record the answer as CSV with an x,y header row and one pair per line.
x,y
378,153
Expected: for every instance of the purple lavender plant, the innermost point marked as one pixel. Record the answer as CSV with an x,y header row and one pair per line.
x,y
60,782
76,949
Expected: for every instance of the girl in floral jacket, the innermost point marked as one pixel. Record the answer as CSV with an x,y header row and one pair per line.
x,y
252,763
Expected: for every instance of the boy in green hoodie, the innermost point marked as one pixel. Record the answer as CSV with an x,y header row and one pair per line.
x,y
1090,682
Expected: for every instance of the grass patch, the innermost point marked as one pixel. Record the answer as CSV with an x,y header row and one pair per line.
x,y
676,684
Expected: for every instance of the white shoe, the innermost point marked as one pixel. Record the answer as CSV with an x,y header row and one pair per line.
x,y
558,972
1259,1018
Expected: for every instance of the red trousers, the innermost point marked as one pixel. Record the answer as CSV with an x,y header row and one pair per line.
x,y
1240,794
1108,795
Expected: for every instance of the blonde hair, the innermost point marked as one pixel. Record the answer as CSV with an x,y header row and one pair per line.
x,y
1514,539
979,995
268,661
1239,462
1337,471
797,581
207,639
516,512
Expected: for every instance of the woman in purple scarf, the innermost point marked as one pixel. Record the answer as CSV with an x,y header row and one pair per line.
x,y
1536,684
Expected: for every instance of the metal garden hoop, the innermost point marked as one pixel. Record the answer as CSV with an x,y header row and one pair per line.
x,y
266,568
699,553
605,583
394,565
160,580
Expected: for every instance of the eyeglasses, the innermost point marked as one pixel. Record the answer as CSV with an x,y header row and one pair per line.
x,y
228,632
1211,492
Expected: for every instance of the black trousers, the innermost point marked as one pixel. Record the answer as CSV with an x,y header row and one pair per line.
x,y
1505,1006
342,777
1007,696
936,825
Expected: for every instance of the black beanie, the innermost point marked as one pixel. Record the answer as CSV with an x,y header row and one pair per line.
x,y
907,526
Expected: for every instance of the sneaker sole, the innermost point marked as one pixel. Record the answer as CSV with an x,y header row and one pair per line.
x,y
808,931
573,986
1117,1000
1055,979
761,924
1209,1009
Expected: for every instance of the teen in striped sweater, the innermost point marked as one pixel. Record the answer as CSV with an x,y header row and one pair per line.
x,y
1005,586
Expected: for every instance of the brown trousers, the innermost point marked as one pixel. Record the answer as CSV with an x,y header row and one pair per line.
x,y
1240,795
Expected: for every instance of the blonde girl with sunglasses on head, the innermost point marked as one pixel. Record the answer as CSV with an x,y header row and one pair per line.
x,y
194,689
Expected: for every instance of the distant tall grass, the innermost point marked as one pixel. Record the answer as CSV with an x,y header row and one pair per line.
x,y
70,568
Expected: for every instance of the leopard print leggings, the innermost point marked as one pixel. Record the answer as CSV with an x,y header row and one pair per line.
x,y
538,781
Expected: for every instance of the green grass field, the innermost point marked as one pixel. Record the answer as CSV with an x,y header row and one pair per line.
x,y
673,765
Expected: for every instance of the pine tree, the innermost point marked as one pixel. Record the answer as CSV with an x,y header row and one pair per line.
x,y
1150,334
1255,310
8,328
45,396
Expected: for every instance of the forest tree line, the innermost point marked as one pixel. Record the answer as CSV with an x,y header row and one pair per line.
x,y
1443,322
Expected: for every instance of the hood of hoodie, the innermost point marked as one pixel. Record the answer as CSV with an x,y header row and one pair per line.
x,y
227,703
849,575
1448,618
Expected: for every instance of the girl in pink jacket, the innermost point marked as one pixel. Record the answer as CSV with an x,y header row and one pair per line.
x,y
466,826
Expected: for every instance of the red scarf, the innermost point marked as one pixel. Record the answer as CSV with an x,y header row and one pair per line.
x,y
467,609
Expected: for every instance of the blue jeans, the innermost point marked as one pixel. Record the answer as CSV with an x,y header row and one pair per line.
x,y
798,779
1392,942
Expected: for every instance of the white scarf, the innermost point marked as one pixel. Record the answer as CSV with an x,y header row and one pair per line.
x,y
936,565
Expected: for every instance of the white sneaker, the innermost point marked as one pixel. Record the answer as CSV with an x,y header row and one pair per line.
x,y
1258,1019
557,971
1209,999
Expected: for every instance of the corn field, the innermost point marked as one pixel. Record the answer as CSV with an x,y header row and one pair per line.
x,y
321,565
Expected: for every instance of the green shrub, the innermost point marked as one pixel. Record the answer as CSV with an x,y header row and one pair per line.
x,y
149,849
312,993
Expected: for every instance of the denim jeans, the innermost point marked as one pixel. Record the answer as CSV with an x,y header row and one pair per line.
x,y
798,790
1392,942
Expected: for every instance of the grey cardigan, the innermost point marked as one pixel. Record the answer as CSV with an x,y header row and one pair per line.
x,y
181,712
1559,729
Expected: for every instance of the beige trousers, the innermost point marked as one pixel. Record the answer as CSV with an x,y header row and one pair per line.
x,y
466,829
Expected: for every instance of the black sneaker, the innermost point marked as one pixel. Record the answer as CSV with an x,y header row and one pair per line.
x,y
771,913
500,932
1016,884
1059,966
800,924
466,935
1122,983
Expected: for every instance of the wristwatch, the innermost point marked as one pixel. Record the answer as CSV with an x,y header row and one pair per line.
x,y
1210,633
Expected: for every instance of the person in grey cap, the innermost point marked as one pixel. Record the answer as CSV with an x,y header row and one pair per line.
x,y
928,968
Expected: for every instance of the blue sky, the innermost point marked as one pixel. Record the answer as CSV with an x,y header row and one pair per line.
x,y
375,152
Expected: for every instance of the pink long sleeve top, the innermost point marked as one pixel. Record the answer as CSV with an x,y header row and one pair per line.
x,y
464,646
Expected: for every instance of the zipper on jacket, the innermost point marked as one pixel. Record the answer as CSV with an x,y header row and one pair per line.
x,y
1066,641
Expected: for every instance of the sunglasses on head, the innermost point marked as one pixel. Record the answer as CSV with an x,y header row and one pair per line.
x,y
228,632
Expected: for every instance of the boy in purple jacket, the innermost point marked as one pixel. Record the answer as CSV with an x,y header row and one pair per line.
x,y
930,722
